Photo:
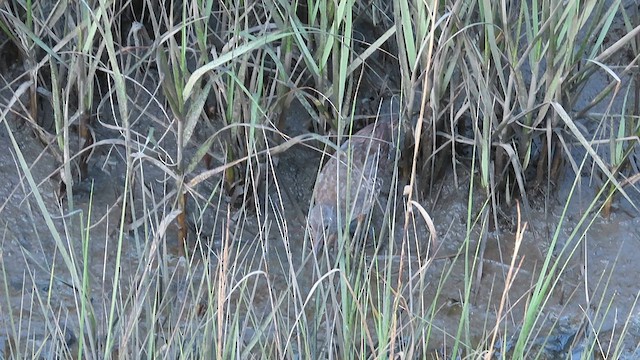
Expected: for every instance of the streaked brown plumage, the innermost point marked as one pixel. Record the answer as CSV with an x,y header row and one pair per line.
x,y
348,186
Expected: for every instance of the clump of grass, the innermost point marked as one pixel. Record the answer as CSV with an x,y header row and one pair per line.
x,y
491,86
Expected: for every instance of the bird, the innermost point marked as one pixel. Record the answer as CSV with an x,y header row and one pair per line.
x,y
348,186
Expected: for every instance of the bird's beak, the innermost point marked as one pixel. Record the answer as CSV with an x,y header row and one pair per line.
x,y
318,241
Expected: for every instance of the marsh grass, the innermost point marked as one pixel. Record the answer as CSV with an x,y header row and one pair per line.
x,y
489,90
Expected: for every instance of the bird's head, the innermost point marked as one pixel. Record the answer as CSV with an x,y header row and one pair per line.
x,y
323,226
